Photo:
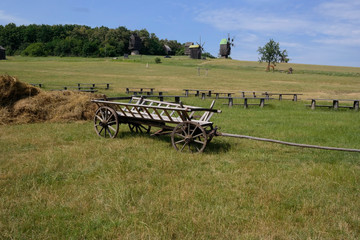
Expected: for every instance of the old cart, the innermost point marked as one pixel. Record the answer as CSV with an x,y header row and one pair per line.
x,y
190,127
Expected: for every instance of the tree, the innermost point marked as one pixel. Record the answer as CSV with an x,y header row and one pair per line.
x,y
270,53
284,56
78,40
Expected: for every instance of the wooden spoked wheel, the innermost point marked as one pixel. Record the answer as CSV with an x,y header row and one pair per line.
x,y
209,136
106,122
139,128
189,137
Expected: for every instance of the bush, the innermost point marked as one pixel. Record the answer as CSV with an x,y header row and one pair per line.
x,y
157,60
207,55
35,50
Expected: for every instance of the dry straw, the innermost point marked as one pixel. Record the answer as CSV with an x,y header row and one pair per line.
x,y
23,103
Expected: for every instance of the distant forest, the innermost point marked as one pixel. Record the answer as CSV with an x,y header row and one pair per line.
x,y
77,40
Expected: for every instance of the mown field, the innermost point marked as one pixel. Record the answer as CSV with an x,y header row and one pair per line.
x,y
61,181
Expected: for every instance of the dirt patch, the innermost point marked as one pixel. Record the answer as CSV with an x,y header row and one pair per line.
x,y
23,103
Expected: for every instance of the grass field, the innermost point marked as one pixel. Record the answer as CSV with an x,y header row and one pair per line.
x,y
61,181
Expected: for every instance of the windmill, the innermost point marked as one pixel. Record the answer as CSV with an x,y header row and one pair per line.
x,y
167,50
134,44
186,48
196,50
225,46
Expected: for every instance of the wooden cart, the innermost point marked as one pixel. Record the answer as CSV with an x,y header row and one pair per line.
x,y
190,127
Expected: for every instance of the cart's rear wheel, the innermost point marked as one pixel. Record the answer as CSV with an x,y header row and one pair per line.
x,y
139,128
106,122
189,137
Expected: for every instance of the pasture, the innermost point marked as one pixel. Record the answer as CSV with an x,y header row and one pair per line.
x,y
59,180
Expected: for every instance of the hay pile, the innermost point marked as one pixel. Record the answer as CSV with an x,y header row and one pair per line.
x,y
12,90
23,103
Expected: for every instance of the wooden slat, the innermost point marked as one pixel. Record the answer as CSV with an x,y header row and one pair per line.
x,y
167,114
127,107
182,116
137,109
164,111
158,114
122,111
150,115
186,116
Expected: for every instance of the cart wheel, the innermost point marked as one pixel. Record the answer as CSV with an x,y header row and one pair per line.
x,y
139,128
209,136
189,137
106,122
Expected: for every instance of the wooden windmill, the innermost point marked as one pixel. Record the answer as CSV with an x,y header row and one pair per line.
x,y
135,44
187,48
167,50
196,50
225,46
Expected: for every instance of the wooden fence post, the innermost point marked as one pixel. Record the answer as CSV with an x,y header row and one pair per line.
x,y
313,104
245,103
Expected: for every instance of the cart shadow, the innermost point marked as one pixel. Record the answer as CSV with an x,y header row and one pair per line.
x,y
215,146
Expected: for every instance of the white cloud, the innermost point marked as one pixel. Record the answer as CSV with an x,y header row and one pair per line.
x,y
6,19
291,44
246,37
335,22
348,10
241,19
341,23
339,41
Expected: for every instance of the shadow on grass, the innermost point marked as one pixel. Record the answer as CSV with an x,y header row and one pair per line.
x,y
212,147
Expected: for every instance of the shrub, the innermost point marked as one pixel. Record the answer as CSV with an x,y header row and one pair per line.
x,y
35,50
157,60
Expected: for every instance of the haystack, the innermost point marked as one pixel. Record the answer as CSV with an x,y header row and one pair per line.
x,y
12,90
23,103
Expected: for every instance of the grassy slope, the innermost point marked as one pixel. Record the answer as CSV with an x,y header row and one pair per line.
x,y
62,181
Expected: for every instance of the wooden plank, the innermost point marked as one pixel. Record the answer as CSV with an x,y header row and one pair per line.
x,y
137,109
150,115
183,117
129,110
122,110
167,114
186,116
158,114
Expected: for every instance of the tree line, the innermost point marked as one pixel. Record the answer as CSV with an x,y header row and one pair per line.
x,y
79,40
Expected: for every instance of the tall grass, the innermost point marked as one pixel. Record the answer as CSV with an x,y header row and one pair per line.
x,y
61,181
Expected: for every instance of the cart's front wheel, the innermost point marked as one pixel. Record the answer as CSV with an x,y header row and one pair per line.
x,y
106,122
209,136
189,137
139,128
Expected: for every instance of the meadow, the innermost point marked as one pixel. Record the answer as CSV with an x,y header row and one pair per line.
x,y
60,180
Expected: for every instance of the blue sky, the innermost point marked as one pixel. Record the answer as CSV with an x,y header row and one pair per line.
x,y
313,32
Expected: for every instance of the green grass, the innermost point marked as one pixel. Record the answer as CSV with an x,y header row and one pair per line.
x,y
177,73
61,181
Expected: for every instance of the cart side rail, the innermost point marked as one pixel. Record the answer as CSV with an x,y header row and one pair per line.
x,y
145,109
185,108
